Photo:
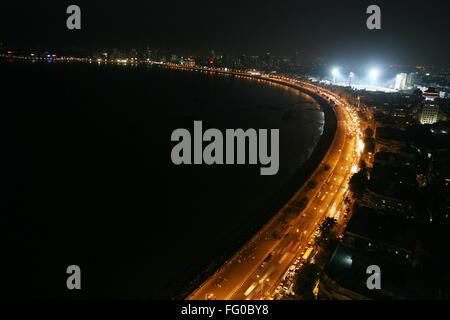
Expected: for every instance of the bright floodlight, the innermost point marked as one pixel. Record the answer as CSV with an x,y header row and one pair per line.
x,y
335,73
373,73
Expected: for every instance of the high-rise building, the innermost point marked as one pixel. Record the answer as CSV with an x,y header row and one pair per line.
x,y
412,79
430,111
400,81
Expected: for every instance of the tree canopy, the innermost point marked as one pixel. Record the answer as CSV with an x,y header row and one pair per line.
x,y
305,281
358,182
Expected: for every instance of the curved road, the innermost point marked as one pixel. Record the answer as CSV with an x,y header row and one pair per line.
x,y
246,276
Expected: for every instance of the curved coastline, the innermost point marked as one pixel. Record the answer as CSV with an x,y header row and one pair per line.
x,y
200,269
278,200
304,172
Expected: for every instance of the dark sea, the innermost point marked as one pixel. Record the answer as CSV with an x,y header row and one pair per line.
x,y
88,178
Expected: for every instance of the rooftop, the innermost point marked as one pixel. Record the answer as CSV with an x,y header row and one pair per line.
x,y
381,228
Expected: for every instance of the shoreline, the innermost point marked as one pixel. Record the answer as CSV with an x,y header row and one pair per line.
x,y
275,204
182,285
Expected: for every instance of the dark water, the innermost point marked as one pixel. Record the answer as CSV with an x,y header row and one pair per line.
x,y
89,180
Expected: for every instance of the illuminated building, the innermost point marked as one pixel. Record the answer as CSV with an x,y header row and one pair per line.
x,y
400,81
430,111
412,79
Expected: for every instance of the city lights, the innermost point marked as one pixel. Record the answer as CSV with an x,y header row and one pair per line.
x,y
227,152
360,146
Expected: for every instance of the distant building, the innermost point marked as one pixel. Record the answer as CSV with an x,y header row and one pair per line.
x,y
429,114
430,111
188,62
400,81
412,79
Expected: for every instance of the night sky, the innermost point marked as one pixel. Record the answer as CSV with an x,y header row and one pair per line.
x,y
413,33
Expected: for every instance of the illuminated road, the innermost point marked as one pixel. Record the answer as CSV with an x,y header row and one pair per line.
x,y
327,202
246,275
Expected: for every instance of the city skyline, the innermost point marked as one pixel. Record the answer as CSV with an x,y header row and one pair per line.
x,y
330,30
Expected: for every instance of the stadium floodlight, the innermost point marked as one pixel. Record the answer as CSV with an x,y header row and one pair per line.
x,y
373,74
335,73
350,76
